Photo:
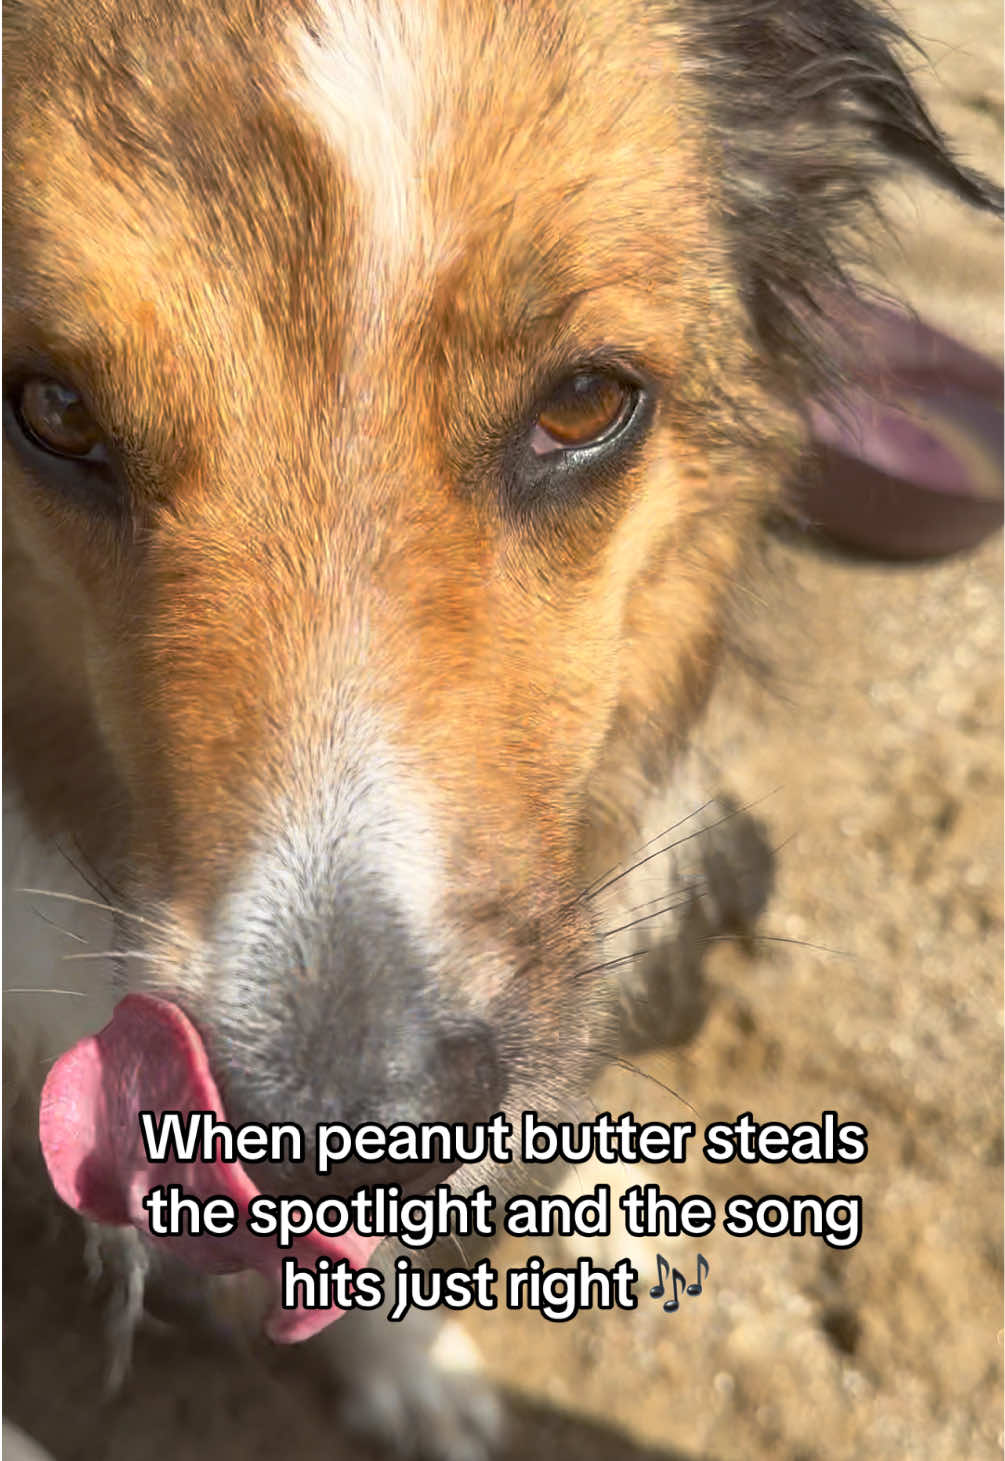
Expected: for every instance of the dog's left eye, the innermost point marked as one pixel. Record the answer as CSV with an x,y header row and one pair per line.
x,y
54,418
585,410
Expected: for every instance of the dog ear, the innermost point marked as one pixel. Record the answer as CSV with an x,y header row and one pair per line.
x,y
810,107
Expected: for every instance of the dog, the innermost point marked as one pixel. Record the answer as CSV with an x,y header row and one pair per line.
x,y
393,394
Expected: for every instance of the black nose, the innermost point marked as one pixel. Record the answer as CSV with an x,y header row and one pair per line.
x,y
421,1072
367,1034
456,1078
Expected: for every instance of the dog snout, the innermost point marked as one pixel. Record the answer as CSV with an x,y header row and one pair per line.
x,y
368,1031
452,1075
395,1073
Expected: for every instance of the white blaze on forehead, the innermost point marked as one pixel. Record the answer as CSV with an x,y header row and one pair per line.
x,y
364,827
365,74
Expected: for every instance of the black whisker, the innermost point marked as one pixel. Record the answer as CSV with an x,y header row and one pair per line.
x,y
681,840
659,913
774,938
683,887
588,890
58,926
85,872
614,963
647,1075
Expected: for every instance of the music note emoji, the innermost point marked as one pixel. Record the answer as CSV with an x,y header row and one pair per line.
x,y
694,1289
672,1305
662,1269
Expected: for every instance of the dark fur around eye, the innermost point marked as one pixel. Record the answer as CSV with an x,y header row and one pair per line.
x,y
534,483
90,486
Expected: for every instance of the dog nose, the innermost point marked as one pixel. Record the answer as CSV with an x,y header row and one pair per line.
x,y
456,1079
375,1042
341,1015
426,1071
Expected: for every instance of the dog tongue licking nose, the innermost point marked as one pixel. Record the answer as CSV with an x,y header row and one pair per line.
x,y
150,1058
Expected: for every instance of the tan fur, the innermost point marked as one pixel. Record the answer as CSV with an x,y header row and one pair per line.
x,y
307,494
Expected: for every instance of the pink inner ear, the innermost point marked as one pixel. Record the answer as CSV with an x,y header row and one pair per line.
x,y
150,1057
909,461
932,443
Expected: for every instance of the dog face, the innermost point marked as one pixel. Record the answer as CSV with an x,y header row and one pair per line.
x,y
391,394
376,389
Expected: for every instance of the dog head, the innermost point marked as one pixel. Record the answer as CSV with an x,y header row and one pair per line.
x,y
391,394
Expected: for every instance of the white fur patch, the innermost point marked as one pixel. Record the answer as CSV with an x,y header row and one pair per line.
x,y
365,824
365,76
454,1351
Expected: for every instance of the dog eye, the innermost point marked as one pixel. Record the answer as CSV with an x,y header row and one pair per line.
x,y
587,409
54,419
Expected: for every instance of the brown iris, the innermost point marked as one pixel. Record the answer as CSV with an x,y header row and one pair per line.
x,y
583,410
55,418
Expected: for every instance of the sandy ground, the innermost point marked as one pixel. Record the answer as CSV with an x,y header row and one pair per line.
x,y
878,756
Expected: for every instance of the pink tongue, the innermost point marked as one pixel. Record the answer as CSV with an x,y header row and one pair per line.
x,y
150,1058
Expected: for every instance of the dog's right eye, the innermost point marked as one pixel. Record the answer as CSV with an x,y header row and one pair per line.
x,y
53,418
582,429
585,410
